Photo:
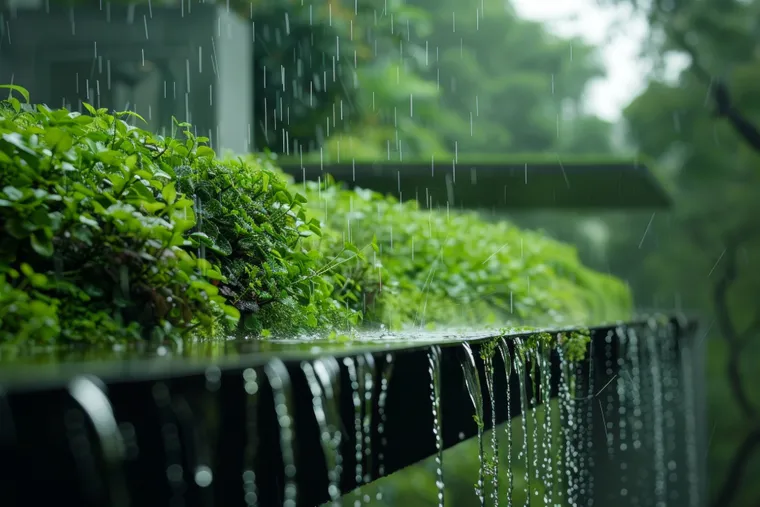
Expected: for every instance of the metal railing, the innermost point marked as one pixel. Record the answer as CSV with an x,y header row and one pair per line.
x,y
301,428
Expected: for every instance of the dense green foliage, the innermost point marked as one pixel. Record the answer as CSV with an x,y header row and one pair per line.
x,y
112,233
472,78
455,268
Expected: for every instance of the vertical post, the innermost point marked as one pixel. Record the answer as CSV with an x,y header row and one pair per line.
x,y
234,85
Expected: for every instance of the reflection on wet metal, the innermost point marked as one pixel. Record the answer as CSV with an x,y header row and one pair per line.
x,y
7,428
91,396
172,443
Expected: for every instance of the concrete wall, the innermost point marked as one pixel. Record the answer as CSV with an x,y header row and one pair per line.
x,y
161,62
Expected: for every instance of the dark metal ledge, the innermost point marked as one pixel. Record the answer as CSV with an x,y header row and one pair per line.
x,y
188,436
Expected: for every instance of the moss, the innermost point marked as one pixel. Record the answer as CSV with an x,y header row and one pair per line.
x,y
575,344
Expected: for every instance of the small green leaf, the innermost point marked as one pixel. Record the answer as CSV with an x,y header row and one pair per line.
x,y
18,89
231,312
90,109
205,152
13,193
169,193
41,244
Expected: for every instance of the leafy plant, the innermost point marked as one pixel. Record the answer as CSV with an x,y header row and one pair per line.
x,y
92,228
454,268
99,240
253,226
112,233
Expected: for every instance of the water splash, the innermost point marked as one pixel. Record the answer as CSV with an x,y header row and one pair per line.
x,y
434,369
610,396
524,454
585,418
279,381
472,381
507,360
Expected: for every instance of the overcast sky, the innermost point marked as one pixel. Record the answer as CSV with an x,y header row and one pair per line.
x,y
625,72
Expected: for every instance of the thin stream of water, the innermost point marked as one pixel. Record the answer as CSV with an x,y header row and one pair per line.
x,y
543,358
493,466
660,483
318,407
327,371
434,369
472,380
637,421
534,378
251,386
507,360
623,386
356,398
279,381
692,458
566,465
524,453
385,379
367,372
673,402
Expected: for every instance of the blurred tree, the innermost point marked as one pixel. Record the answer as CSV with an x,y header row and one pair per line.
x,y
507,83
307,58
706,249
459,81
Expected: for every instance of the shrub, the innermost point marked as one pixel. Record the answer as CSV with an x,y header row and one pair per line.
x,y
455,268
110,233
101,240
252,225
